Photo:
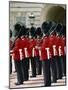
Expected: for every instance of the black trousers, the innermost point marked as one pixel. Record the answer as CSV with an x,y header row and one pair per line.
x,y
54,69
59,67
46,72
25,65
33,66
63,64
28,63
10,64
19,70
38,66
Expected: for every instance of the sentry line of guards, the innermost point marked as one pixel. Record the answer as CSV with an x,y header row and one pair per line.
x,y
44,47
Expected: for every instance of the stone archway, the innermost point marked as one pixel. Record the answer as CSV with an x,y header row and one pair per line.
x,y
54,13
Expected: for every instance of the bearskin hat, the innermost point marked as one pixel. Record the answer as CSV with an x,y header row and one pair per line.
x,y
17,27
52,29
22,31
38,31
32,31
63,30
46,26
58,28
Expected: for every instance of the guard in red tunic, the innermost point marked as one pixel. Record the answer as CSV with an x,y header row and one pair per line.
x,y
59,41
38,45
32,44
54,52
45,55
61,49
26,50
25,47
18,55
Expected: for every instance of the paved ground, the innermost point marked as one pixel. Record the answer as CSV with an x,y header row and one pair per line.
x,y
33,82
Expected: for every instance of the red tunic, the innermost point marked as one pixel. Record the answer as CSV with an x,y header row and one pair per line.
x,y
20,48
64,41
38,45
45,50
61,45
16,49
32,44
25,47
53,45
